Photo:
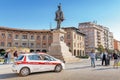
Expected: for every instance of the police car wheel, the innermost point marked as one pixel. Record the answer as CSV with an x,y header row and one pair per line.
x,y
58,68
24,71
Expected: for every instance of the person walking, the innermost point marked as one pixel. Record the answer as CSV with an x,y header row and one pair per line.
x,y
15,55
92,57
108,59
5,58
104,57
9,57
116,59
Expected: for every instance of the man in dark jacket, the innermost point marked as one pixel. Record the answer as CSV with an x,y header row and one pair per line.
x,y
115,57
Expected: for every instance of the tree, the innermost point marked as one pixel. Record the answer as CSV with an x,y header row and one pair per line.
x,y
100,48
110,51
2,52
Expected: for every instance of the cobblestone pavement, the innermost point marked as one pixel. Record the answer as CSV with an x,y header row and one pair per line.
x,y
74,71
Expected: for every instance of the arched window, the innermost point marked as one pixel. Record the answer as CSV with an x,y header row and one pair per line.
x,y
38,37
3,35
37,50
74,52
50,37
44,37
80,53
38,45
31,50
77,52
68,36
44,50
32,37
44,45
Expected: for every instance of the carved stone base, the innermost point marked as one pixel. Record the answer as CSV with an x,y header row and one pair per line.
x,y
59,49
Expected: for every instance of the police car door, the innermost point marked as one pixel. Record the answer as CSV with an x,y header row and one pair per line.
x,y
48,63
34,63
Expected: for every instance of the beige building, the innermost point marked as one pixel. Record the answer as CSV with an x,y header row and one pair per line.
x,y
75,40
96,35
111,41
40,40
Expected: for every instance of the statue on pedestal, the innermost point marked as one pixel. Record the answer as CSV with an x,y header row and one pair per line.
x,y
58,47
59,16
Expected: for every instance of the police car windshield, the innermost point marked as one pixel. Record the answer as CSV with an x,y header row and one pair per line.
x,y
20,57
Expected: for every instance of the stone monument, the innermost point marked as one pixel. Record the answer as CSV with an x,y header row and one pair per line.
x,y
58,48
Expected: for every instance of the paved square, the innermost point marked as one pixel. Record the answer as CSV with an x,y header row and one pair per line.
x,y
74,71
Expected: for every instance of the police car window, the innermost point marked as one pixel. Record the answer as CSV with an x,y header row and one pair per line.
x,y
20,57
34,57
48,58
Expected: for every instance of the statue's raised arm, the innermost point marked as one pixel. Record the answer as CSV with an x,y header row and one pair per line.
x,y
59,16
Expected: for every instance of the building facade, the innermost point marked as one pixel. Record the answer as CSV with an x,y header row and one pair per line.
x,y
116,45
111,41
96,35
40,40
75,40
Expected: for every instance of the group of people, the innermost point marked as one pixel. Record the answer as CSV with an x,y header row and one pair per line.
x,y
8,55
105,58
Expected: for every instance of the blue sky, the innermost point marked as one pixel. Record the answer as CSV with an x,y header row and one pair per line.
x,y
40,14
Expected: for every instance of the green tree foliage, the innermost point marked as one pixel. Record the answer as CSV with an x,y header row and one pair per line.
x,y
110,51
100,48
2,53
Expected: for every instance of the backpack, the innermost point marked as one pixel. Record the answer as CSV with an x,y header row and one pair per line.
x,y
6,55
115,56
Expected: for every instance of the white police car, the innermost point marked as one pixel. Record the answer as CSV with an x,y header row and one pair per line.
x,y
36,62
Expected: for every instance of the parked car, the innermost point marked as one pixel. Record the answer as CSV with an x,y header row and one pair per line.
x,y
36,62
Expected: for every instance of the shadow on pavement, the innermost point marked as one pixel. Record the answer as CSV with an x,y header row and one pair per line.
x,y
83,67
5,63
8,75
102,69
46,72
98,67
14,75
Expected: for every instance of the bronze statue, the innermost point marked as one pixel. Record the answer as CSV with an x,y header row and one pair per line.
x,y
59,16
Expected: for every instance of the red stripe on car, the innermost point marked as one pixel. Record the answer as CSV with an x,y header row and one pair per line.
x,y
37,63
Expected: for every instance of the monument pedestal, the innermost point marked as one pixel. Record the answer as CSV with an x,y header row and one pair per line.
x,y
59,49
